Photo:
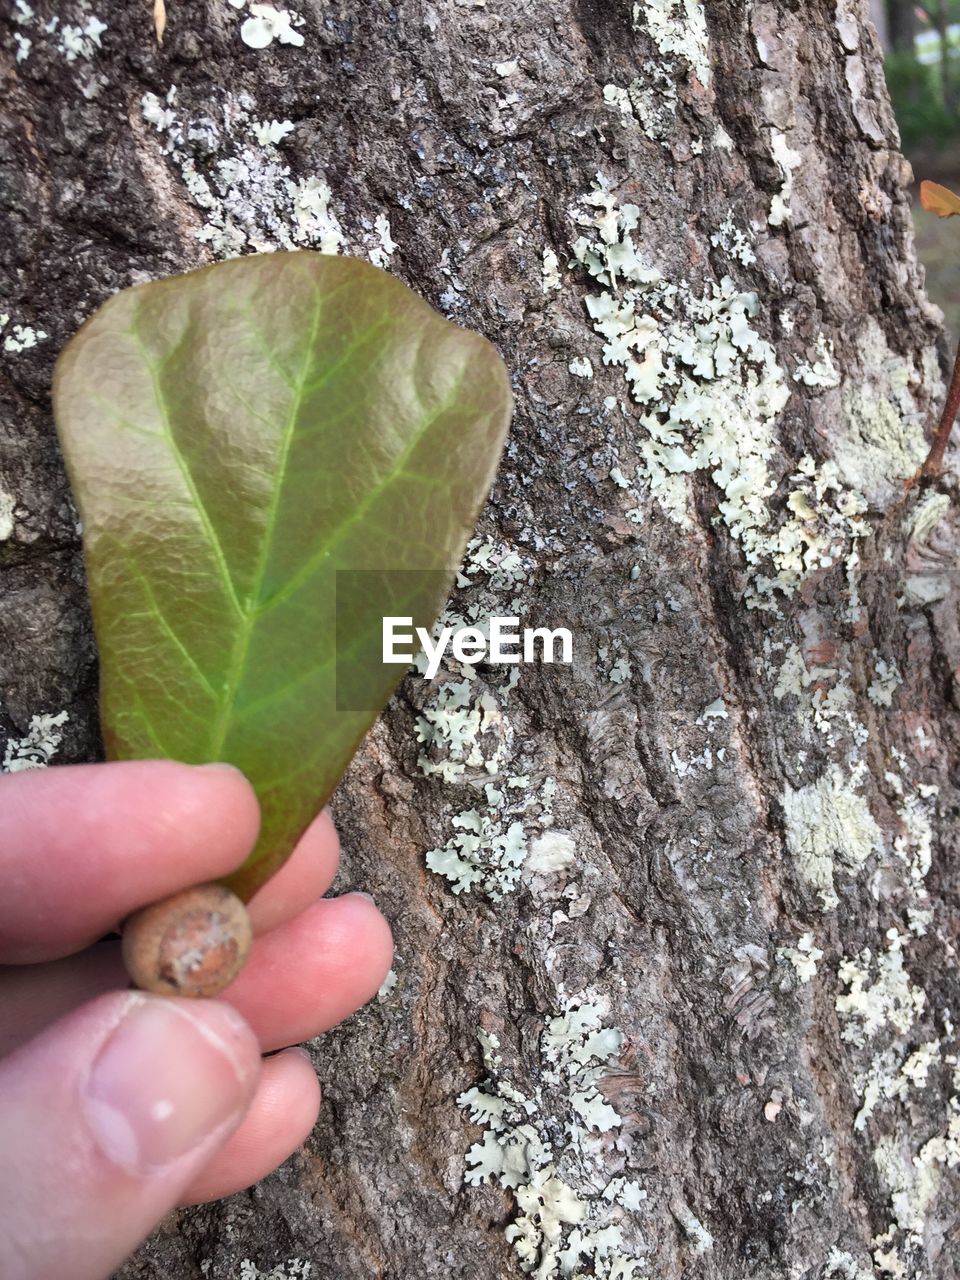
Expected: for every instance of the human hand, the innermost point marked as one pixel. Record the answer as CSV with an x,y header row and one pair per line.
x,y
116,1106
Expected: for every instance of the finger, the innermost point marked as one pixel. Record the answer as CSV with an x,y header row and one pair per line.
x,y
314,971
306,875
301,979
81,846
283,1112
32,996
105,1121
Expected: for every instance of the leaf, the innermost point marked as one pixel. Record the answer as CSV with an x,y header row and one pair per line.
x,y
939,200
248,445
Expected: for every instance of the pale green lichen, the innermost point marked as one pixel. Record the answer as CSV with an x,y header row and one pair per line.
x,y
76,40
710,391
679,30
829,826
267,23
879,993
788,161
885,683
820,372
467,739
735,242
550,272
248,196
804,957
19,337
38,746
546,1145
7,507
880,441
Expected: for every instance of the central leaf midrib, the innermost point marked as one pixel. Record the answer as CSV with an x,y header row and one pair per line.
x,y
241,643
251,612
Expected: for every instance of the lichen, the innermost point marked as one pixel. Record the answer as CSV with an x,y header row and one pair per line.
x,y
820,372
710,390
804,957
19,337
734,241
679,30
38,746
74,41
267,23
829,824
788,161
880,441
248,196
886,681
7,507
888,999
545,1145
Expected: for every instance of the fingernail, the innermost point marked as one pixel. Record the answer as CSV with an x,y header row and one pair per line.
x,y
166,1079
358,893
222,765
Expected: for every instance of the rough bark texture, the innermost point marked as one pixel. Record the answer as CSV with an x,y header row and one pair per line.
x,y
745,775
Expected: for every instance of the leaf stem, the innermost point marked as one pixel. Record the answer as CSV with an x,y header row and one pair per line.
x,y
934,463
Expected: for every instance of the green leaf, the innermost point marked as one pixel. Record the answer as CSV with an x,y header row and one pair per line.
x,y
241,442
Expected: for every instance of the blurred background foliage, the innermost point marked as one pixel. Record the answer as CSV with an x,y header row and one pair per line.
x,y
922,45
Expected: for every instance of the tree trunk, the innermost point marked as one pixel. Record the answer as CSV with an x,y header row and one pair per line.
x,y
677,996
902,24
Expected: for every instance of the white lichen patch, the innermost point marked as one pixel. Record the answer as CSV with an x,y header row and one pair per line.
x,y
881,439
819,372
886,681
467,738
879,995
581,367
248,196
7,507
552,853
804,957
550,272
385,246
650,101
292,1269
82,40
829,826
271,132
546,1146
841,1265
76,39
735,242
830,710
710,391
485,852
38,746
267,23
387,986
19,337
788,161
679,30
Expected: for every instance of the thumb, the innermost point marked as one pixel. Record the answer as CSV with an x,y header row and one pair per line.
x,y
105,1120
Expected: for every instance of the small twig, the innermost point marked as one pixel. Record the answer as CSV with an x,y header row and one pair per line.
x,y
159,19
932,467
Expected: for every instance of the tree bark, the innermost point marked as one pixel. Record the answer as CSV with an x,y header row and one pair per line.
x,y
706,927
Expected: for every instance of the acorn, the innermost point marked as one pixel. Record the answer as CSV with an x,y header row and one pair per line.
x,y
193,943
